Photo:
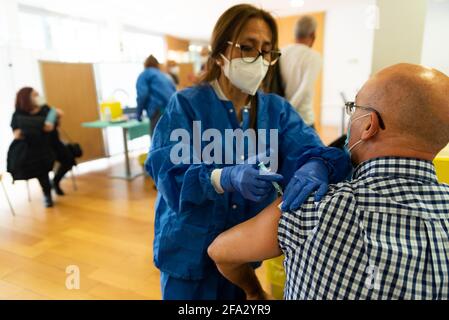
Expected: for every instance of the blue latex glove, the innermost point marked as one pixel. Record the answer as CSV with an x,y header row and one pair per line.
x,y
252,183
313,176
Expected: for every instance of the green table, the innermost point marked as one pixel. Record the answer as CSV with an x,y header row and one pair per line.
x,y
132,129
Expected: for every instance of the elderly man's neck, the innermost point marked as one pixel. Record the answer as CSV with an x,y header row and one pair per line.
x,y
401,149
305,41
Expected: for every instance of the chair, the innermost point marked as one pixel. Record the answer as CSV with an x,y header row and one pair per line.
x,y
6,195
72,177
74,184
27,186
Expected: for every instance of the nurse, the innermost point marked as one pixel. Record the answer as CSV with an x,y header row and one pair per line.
x,y
154,90
199,196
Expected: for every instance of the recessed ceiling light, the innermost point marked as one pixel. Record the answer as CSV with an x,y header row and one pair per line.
x,y
297,3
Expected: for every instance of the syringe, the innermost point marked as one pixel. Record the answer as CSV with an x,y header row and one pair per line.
x,y
276,185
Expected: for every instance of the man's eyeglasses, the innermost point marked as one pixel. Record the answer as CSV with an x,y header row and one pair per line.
x,y
351,107
250,54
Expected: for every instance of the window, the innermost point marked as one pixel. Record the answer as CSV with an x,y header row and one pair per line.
x,y
69,39
75,40
33,31
137,46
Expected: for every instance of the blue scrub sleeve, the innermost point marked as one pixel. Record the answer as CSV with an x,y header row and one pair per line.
x,y
143,94
299,143
181,185
336,161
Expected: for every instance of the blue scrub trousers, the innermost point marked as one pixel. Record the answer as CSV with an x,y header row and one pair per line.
x,y
213,287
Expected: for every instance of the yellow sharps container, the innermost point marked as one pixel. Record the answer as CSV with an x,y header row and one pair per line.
x,y
442,165
276,276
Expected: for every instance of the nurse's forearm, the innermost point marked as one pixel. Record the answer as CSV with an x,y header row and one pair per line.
x,y
243,276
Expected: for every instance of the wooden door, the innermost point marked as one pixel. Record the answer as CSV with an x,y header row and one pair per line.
x,y
186,74
71,88
287,36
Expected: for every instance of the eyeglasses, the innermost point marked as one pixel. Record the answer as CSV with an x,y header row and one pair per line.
x,y
250,54
351,107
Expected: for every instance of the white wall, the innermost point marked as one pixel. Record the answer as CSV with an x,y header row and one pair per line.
x,y
436,35
116,81
6,107
400,36
8,40
348,47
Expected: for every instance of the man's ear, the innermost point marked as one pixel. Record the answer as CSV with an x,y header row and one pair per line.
x,y
370,128
313,38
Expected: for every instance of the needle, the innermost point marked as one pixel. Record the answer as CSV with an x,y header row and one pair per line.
x,y
275,184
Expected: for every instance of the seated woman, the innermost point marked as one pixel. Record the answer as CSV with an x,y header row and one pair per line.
x,y
37,144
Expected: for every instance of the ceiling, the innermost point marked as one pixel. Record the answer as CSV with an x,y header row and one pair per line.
x,y
192,19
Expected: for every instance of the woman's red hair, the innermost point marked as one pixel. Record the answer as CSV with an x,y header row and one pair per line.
x,y
24,102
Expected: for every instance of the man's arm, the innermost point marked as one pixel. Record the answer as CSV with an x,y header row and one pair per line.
x,y
142,95
252,241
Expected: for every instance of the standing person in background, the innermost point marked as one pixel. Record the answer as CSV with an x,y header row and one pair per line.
x,y
300,67
154,90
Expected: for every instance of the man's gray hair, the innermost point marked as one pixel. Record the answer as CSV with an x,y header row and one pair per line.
x,y
305,27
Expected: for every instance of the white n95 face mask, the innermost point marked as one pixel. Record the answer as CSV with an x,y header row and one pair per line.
x,y
246,76
40,101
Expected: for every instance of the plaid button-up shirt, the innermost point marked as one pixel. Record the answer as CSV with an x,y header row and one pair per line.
x,y
384,235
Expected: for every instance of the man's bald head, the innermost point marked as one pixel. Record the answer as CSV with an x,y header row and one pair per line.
x,y
414,103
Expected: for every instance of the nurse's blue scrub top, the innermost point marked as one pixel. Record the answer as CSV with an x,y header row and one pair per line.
x,y
154,90
190,213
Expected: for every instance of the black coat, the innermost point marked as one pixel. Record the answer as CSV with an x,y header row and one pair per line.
x,y
33,156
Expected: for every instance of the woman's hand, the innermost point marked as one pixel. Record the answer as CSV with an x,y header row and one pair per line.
x,y
60,113
313,176
251,183
18,134
49,127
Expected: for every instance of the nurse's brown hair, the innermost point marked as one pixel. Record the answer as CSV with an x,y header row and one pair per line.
x,y
228,28
151,62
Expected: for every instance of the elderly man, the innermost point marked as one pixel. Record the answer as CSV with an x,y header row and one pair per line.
x,y
385,234
300,66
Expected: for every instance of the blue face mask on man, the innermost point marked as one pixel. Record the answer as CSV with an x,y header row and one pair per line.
x,y
347,148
